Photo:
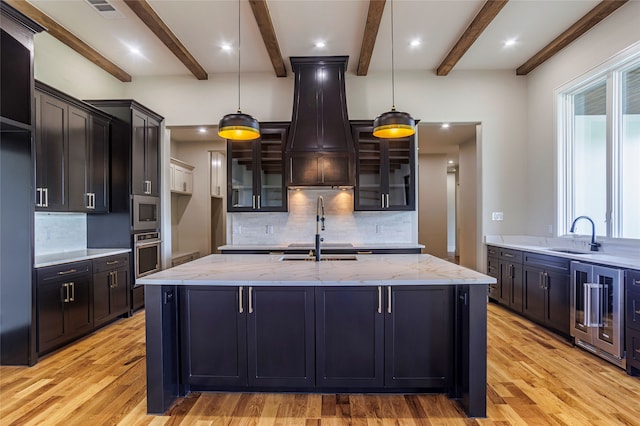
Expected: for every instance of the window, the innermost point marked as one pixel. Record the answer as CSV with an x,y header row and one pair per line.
x,y
600,152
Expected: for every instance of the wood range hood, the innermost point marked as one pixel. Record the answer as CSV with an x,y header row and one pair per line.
x,y
320,149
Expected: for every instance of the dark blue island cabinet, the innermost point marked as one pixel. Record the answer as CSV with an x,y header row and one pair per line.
x,y
323,338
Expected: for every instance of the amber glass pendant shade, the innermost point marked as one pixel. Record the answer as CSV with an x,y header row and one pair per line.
x,y
238,127
393,124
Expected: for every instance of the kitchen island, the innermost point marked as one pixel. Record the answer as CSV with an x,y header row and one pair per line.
x,y
360,324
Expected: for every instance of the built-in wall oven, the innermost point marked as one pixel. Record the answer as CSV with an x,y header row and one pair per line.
x,y
597,310
147,253
145,213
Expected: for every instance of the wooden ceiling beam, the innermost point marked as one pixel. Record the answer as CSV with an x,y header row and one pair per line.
x,y
263,19
157,26
481,21
584,24
374,16
68,38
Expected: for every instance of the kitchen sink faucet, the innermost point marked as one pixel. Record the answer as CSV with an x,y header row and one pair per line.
x,y
593,244
319,224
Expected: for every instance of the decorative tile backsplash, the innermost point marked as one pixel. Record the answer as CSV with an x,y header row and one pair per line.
x,y
342,223
59,232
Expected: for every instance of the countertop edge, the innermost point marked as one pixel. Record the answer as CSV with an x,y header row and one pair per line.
x,y
61,258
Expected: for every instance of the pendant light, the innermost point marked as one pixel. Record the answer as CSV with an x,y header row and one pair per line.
x,y
238,126
393,124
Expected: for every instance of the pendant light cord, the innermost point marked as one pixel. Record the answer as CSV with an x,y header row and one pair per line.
x,y
239,56
393,88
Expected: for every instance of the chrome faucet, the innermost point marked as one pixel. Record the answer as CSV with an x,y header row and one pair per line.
x,y
319,224
593,244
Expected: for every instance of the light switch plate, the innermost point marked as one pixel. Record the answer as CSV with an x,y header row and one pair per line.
x,y
497,216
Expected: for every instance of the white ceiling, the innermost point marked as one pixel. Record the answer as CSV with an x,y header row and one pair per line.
x,y
204,25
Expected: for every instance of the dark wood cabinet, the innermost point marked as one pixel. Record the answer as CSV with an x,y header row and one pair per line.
x,y
419,336
546,281
350,337
255,180
72,154
632,317
111,288
64,305
385,170
506,266
145,158
493,270
281,346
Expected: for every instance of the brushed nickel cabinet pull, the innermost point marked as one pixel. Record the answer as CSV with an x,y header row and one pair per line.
x,y
637,282
508,255
70,271
250,300
65,297
364,252
73,292
240,309
46,197
387,197
389,294
382,201
113,262
379,299
258,203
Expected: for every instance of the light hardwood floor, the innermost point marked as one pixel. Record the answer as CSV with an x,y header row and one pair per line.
x,y
534,378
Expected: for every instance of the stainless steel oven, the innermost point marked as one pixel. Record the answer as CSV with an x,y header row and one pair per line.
x,y
145,212
597,310
147,253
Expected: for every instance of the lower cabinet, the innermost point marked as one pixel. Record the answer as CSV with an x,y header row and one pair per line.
x,y
111,288
64,308
240,336
632,284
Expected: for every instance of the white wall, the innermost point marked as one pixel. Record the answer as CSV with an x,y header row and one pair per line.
x,y
468,222
432,204
617,32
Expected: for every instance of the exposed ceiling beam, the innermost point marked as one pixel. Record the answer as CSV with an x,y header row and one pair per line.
x,y
482,20
66,37
584,24
374,16
263,19
151,19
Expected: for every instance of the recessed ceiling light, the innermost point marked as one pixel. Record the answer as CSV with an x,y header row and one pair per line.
x,y
202,130
320,44
509,42
135,50
226,47
415,43
445,125
450,161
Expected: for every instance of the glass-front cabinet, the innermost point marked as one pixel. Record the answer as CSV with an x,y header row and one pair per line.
x,y
255,180
385,170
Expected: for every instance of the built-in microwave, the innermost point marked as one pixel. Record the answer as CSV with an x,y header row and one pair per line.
x,y
146,212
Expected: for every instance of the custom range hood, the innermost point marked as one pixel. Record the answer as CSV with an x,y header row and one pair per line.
x,y
320,149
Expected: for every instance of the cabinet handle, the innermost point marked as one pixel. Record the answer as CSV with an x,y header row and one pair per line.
x,y
113,262
250,300
253,201
508,255
364,252
540,280
258,204
46,197
638,351
546,281
73,291
147,187
70,271
387,197
184,186
379,299
389,294
636,282
382,201
65,298
240,309
38,197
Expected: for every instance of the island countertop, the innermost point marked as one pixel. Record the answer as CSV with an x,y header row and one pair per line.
x,y
272,270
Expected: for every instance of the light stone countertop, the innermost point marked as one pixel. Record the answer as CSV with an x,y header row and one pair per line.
x,y
75,256
270,270
326,246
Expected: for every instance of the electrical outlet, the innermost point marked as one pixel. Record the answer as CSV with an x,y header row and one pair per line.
x,y
269,229
497,216
379,229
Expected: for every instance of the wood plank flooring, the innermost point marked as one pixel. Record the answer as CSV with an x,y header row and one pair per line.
x,y
534,378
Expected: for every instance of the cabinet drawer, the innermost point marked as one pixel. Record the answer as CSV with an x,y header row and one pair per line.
x,y
110,263
63,270
559,264
633,309
633,280
493,251
493,268
514,256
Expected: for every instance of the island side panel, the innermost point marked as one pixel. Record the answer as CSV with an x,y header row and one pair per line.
x,y
161,323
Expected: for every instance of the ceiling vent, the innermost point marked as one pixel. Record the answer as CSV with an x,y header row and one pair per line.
x,y
105,9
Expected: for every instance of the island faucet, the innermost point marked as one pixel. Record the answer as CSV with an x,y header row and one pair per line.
x,y
593,244
319,224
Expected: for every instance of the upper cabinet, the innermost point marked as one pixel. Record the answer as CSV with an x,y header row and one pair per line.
x,y
139,128
72,153
385,170
181,177
217,174
255,171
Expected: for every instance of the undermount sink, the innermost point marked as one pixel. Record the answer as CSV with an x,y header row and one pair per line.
x,y
332,257
567,250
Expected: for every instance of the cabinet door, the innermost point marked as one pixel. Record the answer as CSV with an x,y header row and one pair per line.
x,y
101,297
138,136
281,336
98,164
214,329
51,136
369,194
217,174
241,176
50,312
514,285
272,192
419,336
557,306
399,174
349,337
534,294
79,309
152,156
119,292
505,282
78,159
